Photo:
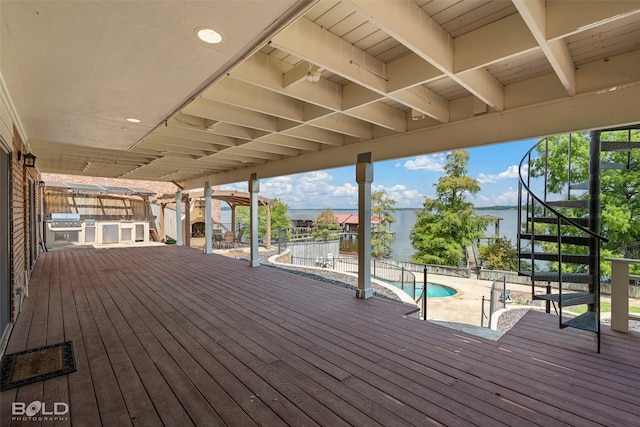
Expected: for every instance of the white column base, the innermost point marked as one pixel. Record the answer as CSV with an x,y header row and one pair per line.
x,y
364,293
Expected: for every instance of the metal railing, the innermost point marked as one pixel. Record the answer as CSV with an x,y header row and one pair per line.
x,y
497,300
381,270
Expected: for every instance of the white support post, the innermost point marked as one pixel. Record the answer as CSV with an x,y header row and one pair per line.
x,y
179,218
254,189
208,227
364,178
620,293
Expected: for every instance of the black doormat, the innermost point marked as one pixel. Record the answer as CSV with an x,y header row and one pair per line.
x,y
36,364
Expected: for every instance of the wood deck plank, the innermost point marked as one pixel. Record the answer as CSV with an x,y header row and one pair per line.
x,y
204,339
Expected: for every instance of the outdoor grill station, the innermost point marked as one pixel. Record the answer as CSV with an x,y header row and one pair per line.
x,y
82,214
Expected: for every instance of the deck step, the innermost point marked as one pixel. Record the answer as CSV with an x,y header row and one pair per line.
x,y
579,186
554,276
583,204
619,146
551,256
584,222
587,321
568,298
570,240
613,165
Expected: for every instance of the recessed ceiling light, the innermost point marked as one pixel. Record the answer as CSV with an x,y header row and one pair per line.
x,y
133,120
208,35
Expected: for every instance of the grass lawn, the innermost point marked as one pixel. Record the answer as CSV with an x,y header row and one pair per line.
x,y
604,308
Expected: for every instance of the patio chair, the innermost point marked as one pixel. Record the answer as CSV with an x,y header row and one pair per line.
x,y
239,237
217,238
229,239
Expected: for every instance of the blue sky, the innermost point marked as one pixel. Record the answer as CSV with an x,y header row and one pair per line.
x,y
407,180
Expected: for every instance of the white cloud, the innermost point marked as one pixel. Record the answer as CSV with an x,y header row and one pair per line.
x,y
508,197
315,190
510,173
404,197
430,162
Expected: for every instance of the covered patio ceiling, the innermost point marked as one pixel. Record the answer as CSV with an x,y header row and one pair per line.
x,y
300,86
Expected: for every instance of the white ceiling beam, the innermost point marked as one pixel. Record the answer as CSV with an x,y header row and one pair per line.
x,y
410,25
534,14
291,142
297,74
267,72
318,46
382,115
488,44
570,17
183,134
427,102
347,125
597,109
165,148
233,131
258,154
223,155
271,148
244,95
263,71
410,70
177,142
209,109
316,134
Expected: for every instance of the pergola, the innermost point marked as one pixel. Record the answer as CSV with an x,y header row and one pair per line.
x,y
232,197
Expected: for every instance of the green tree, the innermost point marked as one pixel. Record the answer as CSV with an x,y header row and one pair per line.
x,y
381,211
619,198
448,223
326,226
500,254
279,218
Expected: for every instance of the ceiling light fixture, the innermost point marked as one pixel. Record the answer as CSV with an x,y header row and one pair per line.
x,y
416,115
133,120
313,76
208,35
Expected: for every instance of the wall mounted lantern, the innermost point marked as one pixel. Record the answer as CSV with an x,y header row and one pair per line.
x,y
29,160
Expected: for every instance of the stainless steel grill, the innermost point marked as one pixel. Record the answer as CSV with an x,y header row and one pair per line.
x,y
66,221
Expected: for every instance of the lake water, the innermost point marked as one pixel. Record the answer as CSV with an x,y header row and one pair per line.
x,y
401,249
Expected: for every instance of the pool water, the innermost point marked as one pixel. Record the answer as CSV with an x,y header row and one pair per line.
x,y
436,291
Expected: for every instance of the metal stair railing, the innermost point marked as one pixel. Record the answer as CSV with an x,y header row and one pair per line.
x,y
540,209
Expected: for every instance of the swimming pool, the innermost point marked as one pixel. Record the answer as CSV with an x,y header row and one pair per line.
x,y
436,291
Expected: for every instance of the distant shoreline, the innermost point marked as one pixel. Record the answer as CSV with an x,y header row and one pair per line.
x,y
480,208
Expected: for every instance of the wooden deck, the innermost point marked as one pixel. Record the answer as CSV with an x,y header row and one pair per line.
x,y
169,335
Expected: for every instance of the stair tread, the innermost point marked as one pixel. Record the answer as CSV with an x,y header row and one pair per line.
x,y
613,165
579,186
572,240
618,145
587,321
552,276
568,298
569,203
553,220
551,256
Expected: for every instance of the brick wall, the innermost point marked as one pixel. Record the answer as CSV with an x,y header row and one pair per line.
x,y
20,227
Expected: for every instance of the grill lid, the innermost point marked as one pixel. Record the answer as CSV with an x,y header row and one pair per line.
x,y
59,220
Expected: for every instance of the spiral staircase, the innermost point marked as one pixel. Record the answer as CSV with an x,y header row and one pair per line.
x,y
560,235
